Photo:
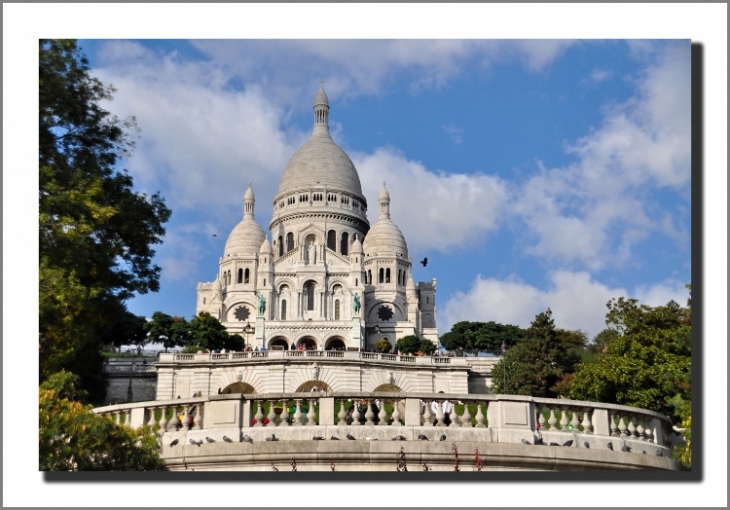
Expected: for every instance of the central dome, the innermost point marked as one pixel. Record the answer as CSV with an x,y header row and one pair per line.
x,y
320,162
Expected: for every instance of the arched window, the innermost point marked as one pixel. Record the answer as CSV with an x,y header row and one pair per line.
x,y
204,300
281,246
332,240
289,242
283,310
387,275
399,276
337,309
380,276
356,282
344,245
370,277
240,276
309,291
246,276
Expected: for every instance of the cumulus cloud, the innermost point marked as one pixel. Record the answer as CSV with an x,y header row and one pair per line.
x,y
594,211
576,299
461,208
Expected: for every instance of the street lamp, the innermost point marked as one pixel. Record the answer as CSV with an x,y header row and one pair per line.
x,y
248,329
130,394
504,365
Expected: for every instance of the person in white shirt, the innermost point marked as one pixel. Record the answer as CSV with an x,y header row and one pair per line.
x,y
446,409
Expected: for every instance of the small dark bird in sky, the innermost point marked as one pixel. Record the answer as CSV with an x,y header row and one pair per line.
x,y
399,438
554,444
350,437
227,439
334,438
317,438
568,443
424,261
196,443
215,235
586,444
422,437
443,437
272,437
609,446
525,441
175,443
247,439
210,439
625,448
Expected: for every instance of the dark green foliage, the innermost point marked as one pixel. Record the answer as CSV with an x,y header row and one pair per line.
x,y
646,362
481,336
95,232
207,332
167,330
427,347
130,329
410,344
537,363
72,438
382,345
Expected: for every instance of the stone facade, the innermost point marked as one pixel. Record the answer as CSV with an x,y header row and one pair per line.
x,y
327,280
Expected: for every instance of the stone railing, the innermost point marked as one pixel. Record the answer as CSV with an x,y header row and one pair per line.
x,y
477,364
113,368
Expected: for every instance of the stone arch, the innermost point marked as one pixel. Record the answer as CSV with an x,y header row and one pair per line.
x,y
309,295
332,240
279,343
239,387
307,341
306,387
234,315
394,388
335,343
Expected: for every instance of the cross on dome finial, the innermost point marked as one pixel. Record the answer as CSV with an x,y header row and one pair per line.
x,y
321,83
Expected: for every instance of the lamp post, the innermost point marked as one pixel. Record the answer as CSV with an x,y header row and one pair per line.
x,y
504,367
130,394
248,329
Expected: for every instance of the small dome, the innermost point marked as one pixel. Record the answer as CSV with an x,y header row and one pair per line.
x,y
321,98
266,246
217,283
384,195
356,246
246,238
385,238
249,193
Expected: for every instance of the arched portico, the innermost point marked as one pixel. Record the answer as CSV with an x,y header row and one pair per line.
x,y
279,343
335,343
307,343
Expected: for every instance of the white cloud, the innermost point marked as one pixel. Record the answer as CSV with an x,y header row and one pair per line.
x,y
575,298
454,132
594,211
598,75
433,210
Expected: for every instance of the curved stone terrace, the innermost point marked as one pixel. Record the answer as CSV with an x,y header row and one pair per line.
x,y
371,431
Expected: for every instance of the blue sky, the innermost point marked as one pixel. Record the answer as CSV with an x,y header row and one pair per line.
x,y
532,173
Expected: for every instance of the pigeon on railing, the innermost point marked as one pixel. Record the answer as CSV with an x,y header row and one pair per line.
x,y
317,438
443,437
399,438
272,437
659,453
196,443
609,446
175,443
422,437
625,448
334,438
568,443
227,439
210,439
525,441
350,437
247,439
554,444
586,444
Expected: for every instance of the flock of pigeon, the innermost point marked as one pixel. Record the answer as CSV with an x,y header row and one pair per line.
x,y
248,439
421,437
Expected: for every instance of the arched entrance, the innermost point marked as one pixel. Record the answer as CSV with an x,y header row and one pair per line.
x,y
314,385
335,344
239,387
307,343
392,388
279,343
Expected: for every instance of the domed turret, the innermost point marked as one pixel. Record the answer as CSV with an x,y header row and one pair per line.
x,y
385,238
246,237
266,247
356,247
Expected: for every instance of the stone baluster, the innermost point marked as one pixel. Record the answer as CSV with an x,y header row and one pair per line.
x,y
466,417
382,415
640,430
541,417
369,414
259,416
396,414
311,415
552,421
174,421
298,413
480,416
186,417
356,413
272,415
563,419
575,421
612,422
198,419
427,416
649,432
622,425
454,416
284,420
631,427
440,414
152,422
587,425
128,418
342,415
163,419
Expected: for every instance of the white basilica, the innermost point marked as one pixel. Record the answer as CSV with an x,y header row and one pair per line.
x,y
328,280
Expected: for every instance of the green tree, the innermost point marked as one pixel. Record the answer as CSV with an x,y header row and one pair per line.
x,y
427,346
207,332
481,336
72,438
646,363
168,330
408,344
95,231
536,364
130,329
382,345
